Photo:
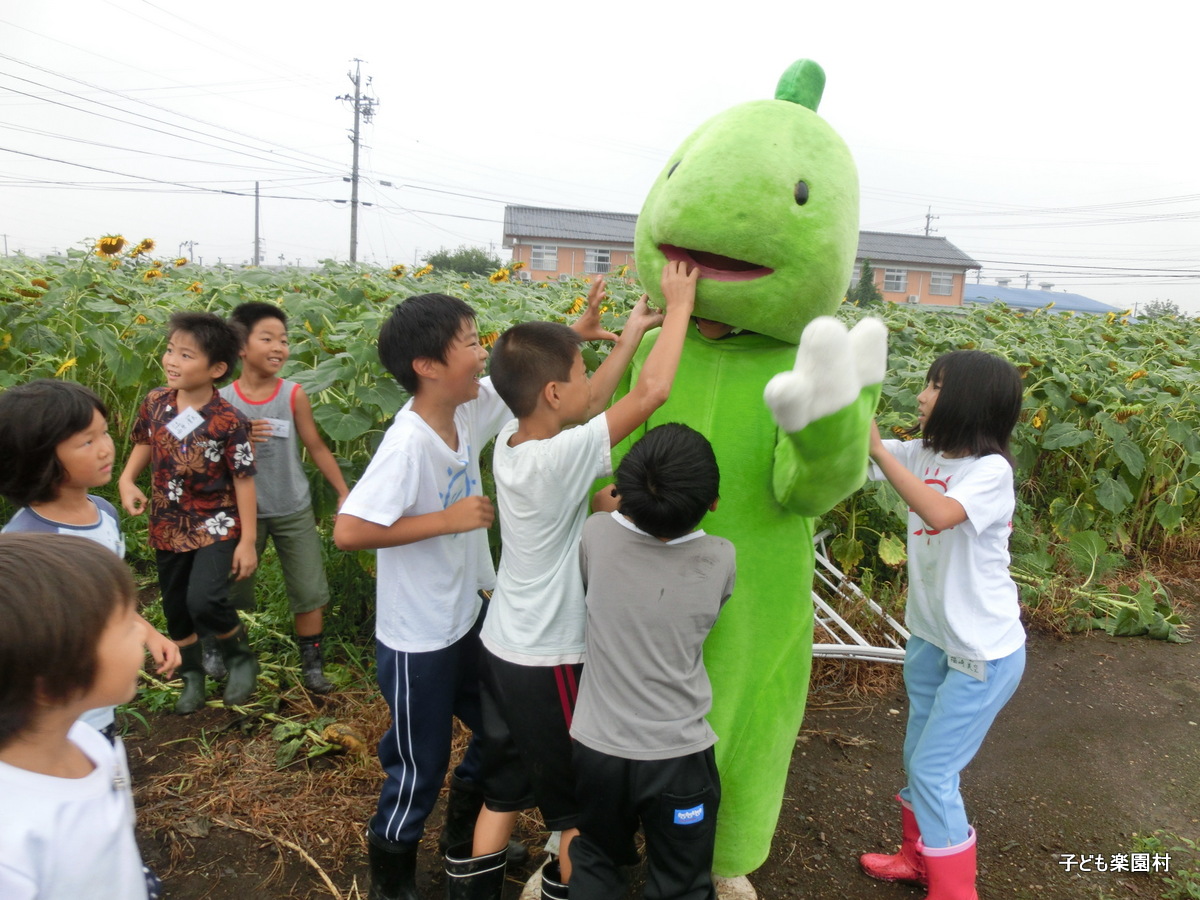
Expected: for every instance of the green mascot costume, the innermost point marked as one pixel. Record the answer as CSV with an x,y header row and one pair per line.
x,y
764,199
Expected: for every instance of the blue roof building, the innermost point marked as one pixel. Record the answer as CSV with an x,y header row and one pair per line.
x,y
1028,298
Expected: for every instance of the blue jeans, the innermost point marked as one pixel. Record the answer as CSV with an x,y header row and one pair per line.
x,y
949,716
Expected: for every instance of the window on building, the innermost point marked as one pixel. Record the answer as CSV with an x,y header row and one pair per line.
x,y
856,275
895,280
544,259
941,284
597,259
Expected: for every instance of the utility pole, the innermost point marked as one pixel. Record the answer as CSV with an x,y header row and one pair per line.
x,y
929,217
191,245
257,239
364,108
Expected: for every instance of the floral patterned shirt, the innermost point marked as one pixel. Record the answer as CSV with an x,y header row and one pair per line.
x,y
192,501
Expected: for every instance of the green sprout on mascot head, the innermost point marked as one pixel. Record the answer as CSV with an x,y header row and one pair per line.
x,y
763,198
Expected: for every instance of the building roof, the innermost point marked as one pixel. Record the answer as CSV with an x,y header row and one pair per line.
x,y
1027,298
885,246
525,222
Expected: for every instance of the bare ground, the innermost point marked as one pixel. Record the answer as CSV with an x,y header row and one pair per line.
x,y
1100,742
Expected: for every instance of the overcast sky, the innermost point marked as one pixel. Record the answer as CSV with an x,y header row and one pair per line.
x,y
1049,139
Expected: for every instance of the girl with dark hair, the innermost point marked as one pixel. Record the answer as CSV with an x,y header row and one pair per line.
x,y
966,654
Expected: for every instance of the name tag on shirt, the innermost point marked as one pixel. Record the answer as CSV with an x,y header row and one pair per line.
x,y
976,668
185,423
280,428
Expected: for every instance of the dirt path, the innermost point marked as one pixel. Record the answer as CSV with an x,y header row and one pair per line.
x,y
1100,742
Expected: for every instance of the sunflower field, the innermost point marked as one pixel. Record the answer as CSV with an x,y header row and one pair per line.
x,y
1108,448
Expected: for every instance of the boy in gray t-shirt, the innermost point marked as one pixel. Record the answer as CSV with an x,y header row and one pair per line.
x,y
643,752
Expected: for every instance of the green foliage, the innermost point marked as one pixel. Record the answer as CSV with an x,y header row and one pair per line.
x,y
865,292
1107,449
465,261
1156,308
1182,878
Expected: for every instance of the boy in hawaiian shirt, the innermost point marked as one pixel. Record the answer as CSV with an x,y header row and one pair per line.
x,y
203,507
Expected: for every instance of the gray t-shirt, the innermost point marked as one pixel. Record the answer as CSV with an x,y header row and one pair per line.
x,y
650,605
280,485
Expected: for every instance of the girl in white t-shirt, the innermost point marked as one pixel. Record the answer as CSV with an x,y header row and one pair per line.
x,y
967,650
72,641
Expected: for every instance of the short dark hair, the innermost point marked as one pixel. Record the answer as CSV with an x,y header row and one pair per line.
x,y
668,481
978,404
529,356
58,592
34,419
247,315
219,340
421,327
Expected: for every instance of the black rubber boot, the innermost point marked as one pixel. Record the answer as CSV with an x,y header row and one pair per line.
x,y
474,878
462,810
242,665
214,666
552,885
191,670
393,869
312,664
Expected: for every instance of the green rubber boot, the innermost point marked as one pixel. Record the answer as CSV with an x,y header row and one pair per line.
x,y
242,665
191,670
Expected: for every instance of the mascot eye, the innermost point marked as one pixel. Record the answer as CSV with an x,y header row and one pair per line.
x,y
672,170
801,193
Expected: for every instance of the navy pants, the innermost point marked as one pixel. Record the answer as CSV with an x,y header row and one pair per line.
x,y
424,692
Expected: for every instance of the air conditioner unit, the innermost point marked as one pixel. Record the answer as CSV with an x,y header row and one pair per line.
x,y
912,298
563,276
523,275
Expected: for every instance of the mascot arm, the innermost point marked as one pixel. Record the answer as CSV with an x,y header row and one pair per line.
x,y
824,408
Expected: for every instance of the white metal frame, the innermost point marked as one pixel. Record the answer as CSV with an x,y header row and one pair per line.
x,y
846,643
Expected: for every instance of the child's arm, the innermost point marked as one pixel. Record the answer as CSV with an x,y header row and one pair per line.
x,y
322,456
605,379
352,533
587,326
936,510
245,557
654,381
132,497
163,650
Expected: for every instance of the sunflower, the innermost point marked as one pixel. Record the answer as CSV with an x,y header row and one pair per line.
x,y
466,285
577,306
195,287
424,270
498,276
151,274
181,261
40,282
68,364
399,270
488,339
110,245
518,265
146,246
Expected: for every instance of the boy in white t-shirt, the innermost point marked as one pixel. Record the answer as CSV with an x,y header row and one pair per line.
x,y
72,641
420,504
533,633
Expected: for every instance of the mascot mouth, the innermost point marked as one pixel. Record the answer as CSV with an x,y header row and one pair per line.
x,y
715,266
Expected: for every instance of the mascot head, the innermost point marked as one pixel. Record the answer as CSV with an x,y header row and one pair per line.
x,y
764,199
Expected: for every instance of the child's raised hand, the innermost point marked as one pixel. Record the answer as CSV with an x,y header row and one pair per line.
x,y
642,317
132,499
679,286
470,513
587,326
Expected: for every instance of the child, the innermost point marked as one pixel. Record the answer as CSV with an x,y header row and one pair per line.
x,y
55,443
644,751
71,641
202,512
533,633
967,650
419,504
280,413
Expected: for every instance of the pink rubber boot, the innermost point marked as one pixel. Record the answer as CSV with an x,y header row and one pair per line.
x,y
906,865
951,870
